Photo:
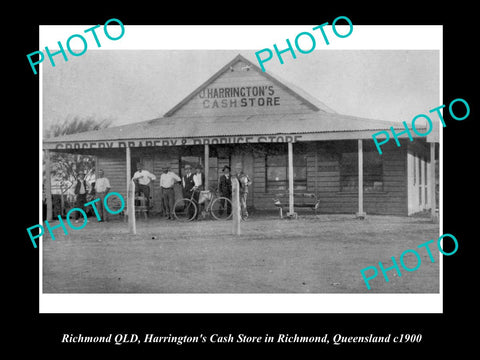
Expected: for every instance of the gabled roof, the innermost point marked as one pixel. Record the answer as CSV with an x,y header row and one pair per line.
x,y
309,100
302,93
321,120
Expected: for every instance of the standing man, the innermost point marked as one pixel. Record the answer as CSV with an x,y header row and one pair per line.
x,y
199,185
244,182
187,186
225,189
199,178
81,193
187,182
167,180
102,187
142,180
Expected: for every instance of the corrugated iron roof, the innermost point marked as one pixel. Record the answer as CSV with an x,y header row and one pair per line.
x,y
321,120
303,94
265,124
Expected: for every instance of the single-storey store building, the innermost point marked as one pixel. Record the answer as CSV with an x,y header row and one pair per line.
x,y
288,142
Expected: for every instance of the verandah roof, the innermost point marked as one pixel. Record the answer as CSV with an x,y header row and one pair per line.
x,y
194,127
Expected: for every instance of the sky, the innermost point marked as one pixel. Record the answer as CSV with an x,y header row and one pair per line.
x,y
127,86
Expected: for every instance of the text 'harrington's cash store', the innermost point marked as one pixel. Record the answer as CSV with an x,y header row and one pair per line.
x,y
242,115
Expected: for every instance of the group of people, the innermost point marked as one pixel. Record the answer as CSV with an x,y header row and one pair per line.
x,y
192,184
100,188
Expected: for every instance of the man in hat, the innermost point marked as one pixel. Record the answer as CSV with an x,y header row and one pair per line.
x,y
80,191
142,180
187,181
188,185
225,189
199,185
167,180
102,187
199,178
244,182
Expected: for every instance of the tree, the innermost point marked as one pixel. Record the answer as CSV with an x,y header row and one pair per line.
x,y
75,125
66,166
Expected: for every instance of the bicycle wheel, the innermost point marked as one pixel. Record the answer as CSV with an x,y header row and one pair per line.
x,y
221,208
184,210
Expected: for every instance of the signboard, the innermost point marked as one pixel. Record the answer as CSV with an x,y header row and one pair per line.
x,y
172,142
239,96
212,140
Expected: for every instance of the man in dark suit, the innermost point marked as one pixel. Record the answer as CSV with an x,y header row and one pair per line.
x,y
225,189
80,191
188,184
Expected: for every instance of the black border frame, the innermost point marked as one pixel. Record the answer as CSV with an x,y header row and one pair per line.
x,y
43,332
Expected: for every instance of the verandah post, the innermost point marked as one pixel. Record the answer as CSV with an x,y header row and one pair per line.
x,y
291,206
207,155
361,214
433,195
130,211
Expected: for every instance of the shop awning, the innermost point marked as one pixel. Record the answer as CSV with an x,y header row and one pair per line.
x,y
310,127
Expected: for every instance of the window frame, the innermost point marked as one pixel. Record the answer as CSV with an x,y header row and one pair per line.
x,y
369,176
279,186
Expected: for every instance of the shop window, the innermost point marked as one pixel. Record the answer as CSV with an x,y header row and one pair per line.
x,y
372,171
277,171
213,175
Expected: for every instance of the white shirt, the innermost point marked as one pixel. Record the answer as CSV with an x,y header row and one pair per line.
x,y
167,180
101,185
144,177
82,189
197,180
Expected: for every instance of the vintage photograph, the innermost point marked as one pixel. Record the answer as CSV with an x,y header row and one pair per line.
x,y
164,133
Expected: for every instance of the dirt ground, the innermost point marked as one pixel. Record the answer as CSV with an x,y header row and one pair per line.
x,y
313,254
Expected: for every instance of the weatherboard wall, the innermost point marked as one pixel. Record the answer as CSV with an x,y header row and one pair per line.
x,y
200,104
323,176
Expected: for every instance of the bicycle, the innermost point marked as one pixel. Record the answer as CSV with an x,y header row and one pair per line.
x,y
219,207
